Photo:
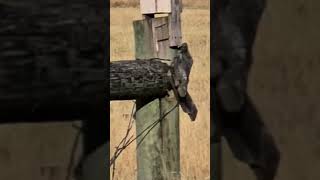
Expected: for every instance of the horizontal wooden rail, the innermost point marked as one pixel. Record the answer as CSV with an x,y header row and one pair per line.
x,y
139,79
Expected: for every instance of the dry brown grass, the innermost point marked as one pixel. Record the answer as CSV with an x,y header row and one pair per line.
x,y
135,3
195,142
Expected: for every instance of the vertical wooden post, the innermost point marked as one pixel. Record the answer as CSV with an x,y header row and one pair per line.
x,y
158,156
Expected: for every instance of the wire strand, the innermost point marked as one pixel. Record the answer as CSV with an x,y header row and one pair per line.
x,y
126,142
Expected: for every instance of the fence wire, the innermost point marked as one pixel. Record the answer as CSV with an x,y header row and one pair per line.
x,y
125,142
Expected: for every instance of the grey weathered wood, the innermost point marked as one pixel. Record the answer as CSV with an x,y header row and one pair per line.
x,y
158,156
144,46
149,152
175,23
161,36
170,138
136,79
170,135
149,162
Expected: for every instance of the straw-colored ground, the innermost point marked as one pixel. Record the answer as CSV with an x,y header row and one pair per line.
x,y
195,144
135,3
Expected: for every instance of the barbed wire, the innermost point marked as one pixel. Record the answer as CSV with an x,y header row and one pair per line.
x,y
125,142
156,122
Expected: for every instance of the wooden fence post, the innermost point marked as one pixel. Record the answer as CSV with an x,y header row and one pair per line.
x,y
158,156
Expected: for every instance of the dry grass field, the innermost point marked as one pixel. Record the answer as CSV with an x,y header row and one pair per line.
x,y
195,144
284,84
135,3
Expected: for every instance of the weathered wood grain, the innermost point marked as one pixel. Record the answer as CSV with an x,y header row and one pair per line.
x,y
175,23
158,155
139,79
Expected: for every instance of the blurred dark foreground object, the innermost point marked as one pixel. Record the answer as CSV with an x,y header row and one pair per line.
x,y
94,165
235,116
52,65
51,62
